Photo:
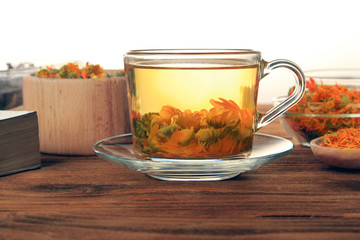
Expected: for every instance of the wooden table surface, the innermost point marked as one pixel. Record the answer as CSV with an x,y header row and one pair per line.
x,y
296,197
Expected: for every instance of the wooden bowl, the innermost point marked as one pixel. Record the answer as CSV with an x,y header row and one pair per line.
x,y
76,113
342,158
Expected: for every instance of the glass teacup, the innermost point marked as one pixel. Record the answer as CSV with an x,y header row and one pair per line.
x,y
199,103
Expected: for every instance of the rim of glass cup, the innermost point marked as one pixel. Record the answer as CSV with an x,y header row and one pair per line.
x,y
194,51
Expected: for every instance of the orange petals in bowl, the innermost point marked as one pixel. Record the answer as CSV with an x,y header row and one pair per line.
x,y
338,157
331,102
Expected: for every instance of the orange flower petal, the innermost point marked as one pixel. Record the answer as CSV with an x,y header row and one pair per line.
x,y
167,112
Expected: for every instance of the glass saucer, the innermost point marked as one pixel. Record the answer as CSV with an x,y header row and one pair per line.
x,y
266,149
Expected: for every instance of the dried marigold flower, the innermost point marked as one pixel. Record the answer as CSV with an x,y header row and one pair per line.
x,y
72,70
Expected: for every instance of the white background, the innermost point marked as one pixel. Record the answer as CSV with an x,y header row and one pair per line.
x,y
313,34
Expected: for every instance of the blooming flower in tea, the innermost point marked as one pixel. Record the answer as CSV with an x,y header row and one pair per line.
x,y
223,130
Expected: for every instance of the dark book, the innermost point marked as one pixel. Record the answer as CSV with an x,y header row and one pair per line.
x,y
19,142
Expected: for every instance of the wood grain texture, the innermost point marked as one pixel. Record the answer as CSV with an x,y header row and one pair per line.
x,y
296,197
76,113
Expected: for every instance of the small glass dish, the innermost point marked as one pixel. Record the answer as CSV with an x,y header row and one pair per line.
x,y
342,158
309,124
266,149
305,127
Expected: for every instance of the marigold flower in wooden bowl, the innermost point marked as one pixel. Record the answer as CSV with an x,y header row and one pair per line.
x,y
339,149
77,107
331,102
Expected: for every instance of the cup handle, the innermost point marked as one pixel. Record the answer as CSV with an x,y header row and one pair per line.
x,y
272,114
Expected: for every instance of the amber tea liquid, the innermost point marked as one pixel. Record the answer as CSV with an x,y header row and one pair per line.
x,y
193,112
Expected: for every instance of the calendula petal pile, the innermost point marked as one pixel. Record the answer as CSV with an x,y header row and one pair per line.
x,y
72,70
319,107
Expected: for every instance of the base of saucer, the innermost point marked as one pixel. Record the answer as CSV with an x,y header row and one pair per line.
x,y
194,176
